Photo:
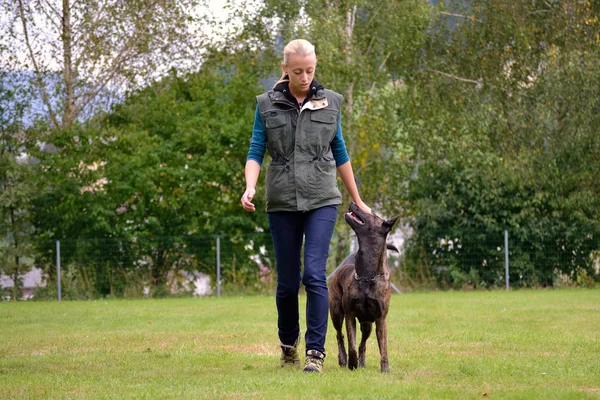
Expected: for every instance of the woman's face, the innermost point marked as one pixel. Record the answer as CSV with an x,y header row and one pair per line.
x,y
301,70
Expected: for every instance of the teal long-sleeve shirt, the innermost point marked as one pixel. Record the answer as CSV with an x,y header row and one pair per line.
x,y
258,143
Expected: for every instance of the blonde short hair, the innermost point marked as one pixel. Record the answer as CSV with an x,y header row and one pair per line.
x,y
297,47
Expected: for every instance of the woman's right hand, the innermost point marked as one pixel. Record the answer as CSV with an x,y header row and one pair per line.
x,y
247,200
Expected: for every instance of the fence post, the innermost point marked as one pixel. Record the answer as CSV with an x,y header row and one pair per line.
x,y
506,257
58,268
218,266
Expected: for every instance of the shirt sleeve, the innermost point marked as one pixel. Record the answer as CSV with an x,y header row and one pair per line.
x,y
338,146
258,143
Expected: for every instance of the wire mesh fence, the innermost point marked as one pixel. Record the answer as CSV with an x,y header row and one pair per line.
x,y
157,266
479,259
187,265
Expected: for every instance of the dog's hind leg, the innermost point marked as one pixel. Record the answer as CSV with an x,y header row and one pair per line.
x,y
381,330
351,331
365,329
337,317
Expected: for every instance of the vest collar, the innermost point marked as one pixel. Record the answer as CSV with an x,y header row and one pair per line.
x,y
315,104
281,91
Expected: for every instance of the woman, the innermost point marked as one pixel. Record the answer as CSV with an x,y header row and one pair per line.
x,y
299,122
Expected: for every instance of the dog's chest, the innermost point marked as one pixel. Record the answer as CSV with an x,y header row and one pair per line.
x,y
367,308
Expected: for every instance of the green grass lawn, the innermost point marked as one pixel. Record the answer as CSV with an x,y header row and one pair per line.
x,y
521,344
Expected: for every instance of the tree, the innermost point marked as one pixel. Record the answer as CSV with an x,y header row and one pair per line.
x,y
16,190
84,53
505,137
160,176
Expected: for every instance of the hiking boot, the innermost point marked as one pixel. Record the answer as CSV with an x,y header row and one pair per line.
x,y
314,361
289,355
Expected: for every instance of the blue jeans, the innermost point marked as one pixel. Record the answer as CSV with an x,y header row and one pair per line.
x,y
288,230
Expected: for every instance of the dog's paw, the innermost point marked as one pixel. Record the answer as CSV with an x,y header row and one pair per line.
x,y
342,359
353,362
362,358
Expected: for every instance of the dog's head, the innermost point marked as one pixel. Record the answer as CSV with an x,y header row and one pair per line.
x,y
369,225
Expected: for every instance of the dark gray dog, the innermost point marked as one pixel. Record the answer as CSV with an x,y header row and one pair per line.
x,y
362,289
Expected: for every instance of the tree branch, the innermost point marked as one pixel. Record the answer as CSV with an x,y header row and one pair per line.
x,y
374,33
478,82
539,12
95,17
52,21
123,55
39,80
381,66
371,43
52,8
359,169
471,17
102,82
351,20
77,1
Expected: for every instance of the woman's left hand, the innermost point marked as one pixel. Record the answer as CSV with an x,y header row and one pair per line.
x,y
345,171
364,207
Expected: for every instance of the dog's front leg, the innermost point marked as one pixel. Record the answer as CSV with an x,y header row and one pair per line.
x,y
381,330
342,358
365,329
337,317
351,333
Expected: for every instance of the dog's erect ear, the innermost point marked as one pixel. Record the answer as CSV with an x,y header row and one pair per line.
x,y
389,223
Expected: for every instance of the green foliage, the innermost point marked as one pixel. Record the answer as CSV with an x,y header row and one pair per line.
x,y
504,124
16,191
467,119
147,188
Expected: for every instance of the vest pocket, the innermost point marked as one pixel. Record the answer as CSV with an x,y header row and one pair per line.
x,y
274,120
323,127
279,139
326,180
279,190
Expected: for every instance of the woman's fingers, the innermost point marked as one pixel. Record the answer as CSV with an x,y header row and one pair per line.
x,y
247,200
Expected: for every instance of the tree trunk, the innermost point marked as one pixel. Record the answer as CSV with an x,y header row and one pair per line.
x,y
159,277
343,243
70,112
15,274
350,20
